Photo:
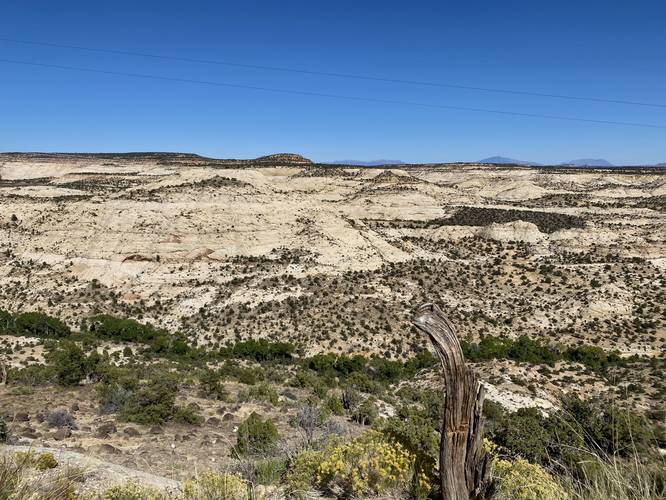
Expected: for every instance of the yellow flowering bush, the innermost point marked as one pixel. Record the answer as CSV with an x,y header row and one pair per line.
x,y
215,486
43,461
46,461
370,464
131,490
521,480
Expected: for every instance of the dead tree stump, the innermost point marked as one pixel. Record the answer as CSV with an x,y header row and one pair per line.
x,y
464,466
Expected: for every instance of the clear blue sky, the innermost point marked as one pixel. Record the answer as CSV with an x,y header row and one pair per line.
x,y
604,49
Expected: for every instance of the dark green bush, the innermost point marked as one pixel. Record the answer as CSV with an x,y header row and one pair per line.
x,y
158,340
334,405
365,413
269,471
591,356
4,432
116,386
188,414
35,324
256,435
259,350
525,434
31,375
7,323
69,362
211,386
123,330
527,350
152,402
564,438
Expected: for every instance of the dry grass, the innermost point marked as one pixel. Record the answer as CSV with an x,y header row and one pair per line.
x,y
617,479
19,480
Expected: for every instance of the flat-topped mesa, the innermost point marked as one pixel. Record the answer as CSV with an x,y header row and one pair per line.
x,y
139,156
284,158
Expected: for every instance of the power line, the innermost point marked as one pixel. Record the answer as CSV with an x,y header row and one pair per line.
x,y
342,75
330,96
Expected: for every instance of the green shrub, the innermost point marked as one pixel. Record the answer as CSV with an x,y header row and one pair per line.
x,y
269,471
606,427
432,402
302,470
527,350
123,330
334,405
256,435
365,413
568,438
69,363
259,350
35,324
4,432
7,323
363,382
116,388
188,414
152,402
247,376
128,330
525,434
31,375
211,386
264,392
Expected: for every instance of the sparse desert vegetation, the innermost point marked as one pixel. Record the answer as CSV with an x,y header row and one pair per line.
x,y
200,328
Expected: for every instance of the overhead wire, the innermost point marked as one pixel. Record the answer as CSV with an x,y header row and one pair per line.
x,y
328,95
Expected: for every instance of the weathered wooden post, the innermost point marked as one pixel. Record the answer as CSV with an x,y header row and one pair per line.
x,y
464,466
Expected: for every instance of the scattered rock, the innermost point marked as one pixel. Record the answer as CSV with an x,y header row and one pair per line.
x,y
228,417
106,428
62,433
213,421
22,416
289,395
105,447
131,431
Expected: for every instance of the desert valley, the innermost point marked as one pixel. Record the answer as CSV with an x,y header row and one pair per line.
x,y
285,269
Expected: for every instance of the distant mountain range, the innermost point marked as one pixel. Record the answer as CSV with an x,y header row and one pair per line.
x,y
496,160
583,162
371,163
502,160
589,162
